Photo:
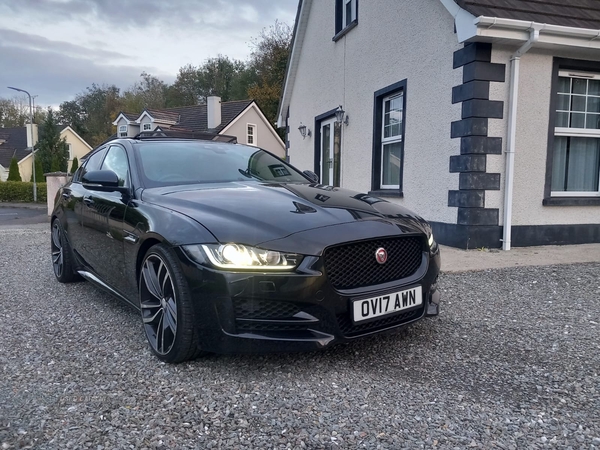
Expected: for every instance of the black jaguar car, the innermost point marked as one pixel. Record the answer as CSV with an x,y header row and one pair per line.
x,y
226,248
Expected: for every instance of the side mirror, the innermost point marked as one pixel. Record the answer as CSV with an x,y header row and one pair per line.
x,y
101,180
311,176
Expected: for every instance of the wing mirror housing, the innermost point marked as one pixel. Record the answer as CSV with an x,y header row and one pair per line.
x,y
102,180
311,176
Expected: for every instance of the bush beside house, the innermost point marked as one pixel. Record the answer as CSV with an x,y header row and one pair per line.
x,y
13,171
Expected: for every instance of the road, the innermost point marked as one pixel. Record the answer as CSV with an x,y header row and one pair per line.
x,y
513,361
22,216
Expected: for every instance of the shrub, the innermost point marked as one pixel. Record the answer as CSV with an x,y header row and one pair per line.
x,y
13,171
74,165
39,172
22,192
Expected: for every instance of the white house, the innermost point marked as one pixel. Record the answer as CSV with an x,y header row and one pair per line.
x,y
481,115
241,119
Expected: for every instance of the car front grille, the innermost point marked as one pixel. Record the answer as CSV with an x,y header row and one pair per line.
x,y
354,265
349,329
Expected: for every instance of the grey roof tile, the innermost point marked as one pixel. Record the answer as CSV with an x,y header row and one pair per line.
x,y
571,13
15,144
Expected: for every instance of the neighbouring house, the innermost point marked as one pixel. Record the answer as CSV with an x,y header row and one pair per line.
x,y
17,142
241,119
481,115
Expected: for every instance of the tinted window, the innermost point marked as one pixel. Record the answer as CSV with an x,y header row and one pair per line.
x,y
93,162
116,160
172,163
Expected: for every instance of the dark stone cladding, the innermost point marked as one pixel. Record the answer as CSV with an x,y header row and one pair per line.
x,y
477,226
477,236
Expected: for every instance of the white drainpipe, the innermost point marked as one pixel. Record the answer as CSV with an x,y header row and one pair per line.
x,y
512,131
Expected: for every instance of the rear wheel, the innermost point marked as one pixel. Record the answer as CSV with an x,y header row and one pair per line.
x,y
62,259
166,306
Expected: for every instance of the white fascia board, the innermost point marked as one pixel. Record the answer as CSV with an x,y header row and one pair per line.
x,y
119,117
294,60
495,28
145,113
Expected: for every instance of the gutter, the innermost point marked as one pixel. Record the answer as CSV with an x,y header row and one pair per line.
x,y
513,101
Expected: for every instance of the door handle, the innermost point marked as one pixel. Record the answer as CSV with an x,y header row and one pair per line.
x,y
88,201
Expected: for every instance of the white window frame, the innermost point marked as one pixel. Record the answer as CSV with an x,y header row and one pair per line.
x,y
122,130
345,21
389,140
252,135
70,150
577,132
149,126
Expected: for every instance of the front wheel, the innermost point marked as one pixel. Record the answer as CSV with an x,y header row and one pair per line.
x,y
62,259
166,306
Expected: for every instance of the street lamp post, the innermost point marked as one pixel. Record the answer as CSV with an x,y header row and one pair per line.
x,y
32,144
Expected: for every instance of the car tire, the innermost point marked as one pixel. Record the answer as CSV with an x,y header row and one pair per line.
x,y
166,307
62,257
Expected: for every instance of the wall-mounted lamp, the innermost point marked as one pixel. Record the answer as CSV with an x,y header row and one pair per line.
x,y
339,115
303,130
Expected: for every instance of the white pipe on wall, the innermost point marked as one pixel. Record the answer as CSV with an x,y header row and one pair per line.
x,y
511,135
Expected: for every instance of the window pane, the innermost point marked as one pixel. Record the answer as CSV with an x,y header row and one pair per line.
x,y
116,160
579,86
577,103
562,119
577,120
576,164
593,104
348,13
564,84
563,102
390,160
592,121
594,87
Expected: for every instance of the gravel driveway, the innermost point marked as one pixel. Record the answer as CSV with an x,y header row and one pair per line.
x,y
513,361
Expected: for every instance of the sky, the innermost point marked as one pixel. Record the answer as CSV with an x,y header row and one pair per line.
x,y
56,48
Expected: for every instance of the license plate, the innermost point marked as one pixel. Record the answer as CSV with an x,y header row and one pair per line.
x,y
387,304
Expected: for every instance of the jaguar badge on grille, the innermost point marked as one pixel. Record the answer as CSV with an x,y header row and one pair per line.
x,y
381,255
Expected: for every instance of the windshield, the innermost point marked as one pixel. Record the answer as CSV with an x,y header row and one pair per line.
x,y
190,162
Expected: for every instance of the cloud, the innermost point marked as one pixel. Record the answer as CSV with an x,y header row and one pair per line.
x,y
58,77
39,43
221,14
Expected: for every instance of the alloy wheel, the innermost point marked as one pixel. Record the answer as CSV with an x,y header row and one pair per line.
x,y
57,250
159,304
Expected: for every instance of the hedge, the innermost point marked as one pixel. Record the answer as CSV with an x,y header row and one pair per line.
x,y
22,192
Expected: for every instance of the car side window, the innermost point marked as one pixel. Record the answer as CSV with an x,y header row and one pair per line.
x,y
92,163
116,160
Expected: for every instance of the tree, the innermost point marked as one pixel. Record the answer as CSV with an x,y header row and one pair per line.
x,y
148,93
70,113
99,106
221,76
184,91
51,146
39,171
14,112
13,171
55,164
269,61
74,165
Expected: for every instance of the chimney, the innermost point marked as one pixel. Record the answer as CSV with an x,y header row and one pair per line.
x,y
35,134
213,111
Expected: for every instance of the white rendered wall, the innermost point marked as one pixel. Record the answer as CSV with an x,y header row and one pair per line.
x,y
393,41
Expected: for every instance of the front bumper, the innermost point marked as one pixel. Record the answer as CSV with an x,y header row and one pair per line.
x,y
240,312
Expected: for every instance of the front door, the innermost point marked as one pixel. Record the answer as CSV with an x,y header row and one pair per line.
x,y
329,156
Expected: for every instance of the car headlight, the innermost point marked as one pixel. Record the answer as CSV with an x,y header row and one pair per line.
x,y
431,241
237,256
